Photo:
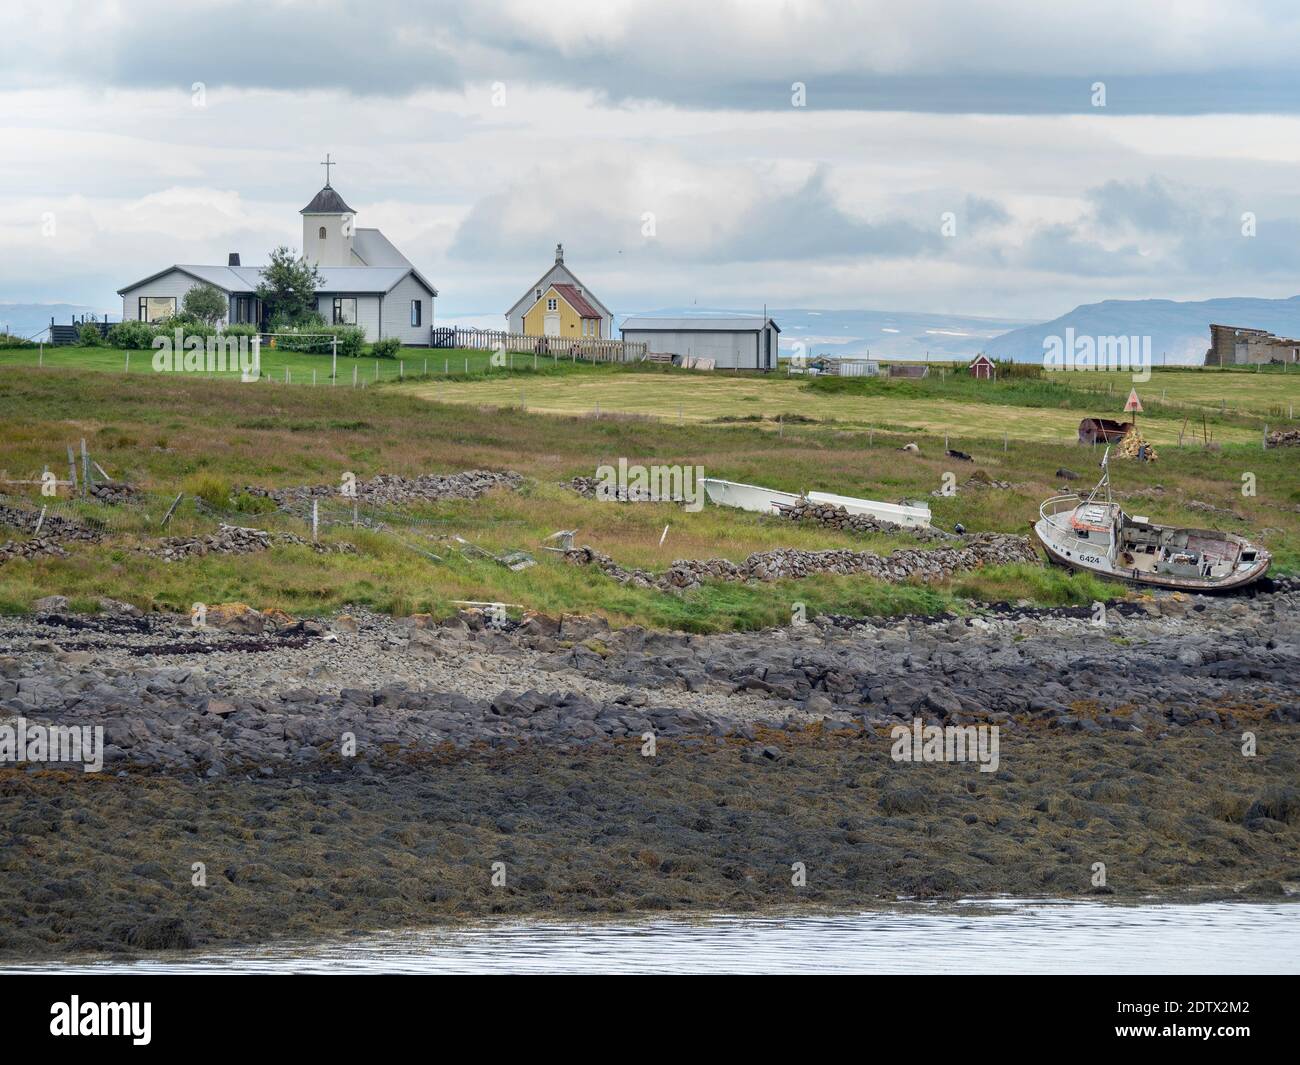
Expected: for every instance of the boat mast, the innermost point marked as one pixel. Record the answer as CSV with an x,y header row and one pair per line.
x,y
1105,478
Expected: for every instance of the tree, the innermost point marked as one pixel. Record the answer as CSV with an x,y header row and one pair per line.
x,y
288,286
206,304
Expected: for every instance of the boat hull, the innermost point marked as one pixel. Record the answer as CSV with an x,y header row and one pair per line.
x,y
894,513
761,500
1237,580
750,497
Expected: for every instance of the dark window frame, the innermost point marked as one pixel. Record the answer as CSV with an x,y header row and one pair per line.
x,y
142,308
338,308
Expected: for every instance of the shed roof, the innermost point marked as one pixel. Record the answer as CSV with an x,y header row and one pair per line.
x,y
738,323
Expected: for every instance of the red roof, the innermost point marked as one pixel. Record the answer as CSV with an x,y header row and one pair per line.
x,y
575,300
981,358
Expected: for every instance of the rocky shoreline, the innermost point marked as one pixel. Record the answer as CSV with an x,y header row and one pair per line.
x,y
362,771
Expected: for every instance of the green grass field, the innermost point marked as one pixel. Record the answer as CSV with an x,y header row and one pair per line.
x,y
300,367
963,409
170,433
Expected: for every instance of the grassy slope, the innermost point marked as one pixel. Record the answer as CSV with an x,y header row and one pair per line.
x,y
165,431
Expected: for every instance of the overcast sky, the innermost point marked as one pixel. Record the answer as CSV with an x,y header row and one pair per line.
x,y
949,157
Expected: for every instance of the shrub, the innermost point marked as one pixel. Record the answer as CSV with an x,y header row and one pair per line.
x,y
210,488
251,504
90,336
240,329
351,340
387,348
131,335
8,340
190,326
206,303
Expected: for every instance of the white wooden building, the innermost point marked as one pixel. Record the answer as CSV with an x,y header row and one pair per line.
x,y
365,280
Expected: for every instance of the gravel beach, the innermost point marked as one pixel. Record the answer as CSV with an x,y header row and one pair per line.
x,y
277,777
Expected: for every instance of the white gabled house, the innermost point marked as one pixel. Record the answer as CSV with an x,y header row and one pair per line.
x,y
530,315
365,280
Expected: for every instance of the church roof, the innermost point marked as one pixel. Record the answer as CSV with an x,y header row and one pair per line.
x,y
327,201
243,280
375,249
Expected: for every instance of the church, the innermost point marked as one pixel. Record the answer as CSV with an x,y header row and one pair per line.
x,y
364,280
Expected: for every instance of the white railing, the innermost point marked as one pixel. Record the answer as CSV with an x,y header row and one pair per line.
x,y
1051,509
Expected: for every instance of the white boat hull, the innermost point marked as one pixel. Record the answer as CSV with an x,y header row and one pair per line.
x,y
761,500
894,513
748,496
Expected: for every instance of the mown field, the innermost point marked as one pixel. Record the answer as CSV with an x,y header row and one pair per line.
x,y
1226,407
173,433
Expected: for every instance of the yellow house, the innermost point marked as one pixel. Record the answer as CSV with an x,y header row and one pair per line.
x,y
562,311
558,304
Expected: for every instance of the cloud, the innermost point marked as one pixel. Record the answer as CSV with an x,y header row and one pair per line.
x,y
809,223
688,213
1152,205
729,54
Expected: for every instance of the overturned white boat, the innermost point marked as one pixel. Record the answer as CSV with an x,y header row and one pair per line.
x,y
748,496
909,515
1094,534
770,501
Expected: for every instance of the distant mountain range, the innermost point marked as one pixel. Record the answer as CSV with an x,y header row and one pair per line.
x,y
881,334
1180,332
24,319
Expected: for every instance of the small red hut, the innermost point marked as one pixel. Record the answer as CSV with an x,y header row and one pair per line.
x,y
982,367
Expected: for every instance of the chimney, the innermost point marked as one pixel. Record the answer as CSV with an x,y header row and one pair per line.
x,y
234,259
559,253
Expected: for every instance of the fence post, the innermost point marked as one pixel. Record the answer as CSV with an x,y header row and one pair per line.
x,y
172,509
315,518
128,363
354,375
334,359
85,468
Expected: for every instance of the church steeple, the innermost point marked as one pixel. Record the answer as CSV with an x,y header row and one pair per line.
x,y
327,226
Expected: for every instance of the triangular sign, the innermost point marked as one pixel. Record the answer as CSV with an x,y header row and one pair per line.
x,y
1133,404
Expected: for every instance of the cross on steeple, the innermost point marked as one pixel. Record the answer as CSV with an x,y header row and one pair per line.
x,y
327,164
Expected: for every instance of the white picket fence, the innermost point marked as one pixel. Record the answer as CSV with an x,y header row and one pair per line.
x,y
588,349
